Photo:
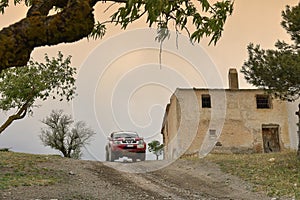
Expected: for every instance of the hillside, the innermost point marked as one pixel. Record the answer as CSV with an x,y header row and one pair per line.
x,y
26,176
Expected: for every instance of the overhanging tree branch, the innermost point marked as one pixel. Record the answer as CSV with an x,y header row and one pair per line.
x,y
75,20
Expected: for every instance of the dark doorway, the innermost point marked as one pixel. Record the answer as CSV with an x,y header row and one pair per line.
x,y
270,135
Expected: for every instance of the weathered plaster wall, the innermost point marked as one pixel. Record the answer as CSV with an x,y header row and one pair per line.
x,y
182,123
243,124
233,115
293,120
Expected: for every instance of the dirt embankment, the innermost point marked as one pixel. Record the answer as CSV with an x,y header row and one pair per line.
x,y
183,179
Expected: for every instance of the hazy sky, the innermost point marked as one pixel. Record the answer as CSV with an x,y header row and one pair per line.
x,y
121,85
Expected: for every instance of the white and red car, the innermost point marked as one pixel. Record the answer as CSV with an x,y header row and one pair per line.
x,y
125,143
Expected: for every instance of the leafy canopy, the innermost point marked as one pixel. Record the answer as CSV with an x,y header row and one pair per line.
x,y
156,148
179,13
278,70
25,85
21,87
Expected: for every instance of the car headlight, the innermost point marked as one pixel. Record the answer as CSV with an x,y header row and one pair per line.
x,y
117,142
141,142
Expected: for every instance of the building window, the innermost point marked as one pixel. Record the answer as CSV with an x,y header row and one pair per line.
x,y
212,133
263,101
206,103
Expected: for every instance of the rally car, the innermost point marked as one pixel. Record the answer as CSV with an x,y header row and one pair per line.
x,y
125,144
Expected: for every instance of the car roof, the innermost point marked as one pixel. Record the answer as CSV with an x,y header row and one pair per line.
x,y
122,132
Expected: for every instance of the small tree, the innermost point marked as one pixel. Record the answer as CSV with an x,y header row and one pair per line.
x,y
21,87
156,148
60,136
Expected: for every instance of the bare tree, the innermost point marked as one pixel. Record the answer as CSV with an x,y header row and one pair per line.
x,y
60,136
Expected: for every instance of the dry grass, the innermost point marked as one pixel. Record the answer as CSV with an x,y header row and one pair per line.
x,y
277,174
19,169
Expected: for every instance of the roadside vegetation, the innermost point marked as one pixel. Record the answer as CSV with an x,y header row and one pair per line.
x,y
277,174
20,169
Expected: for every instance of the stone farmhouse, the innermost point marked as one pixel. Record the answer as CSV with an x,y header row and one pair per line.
x,y
199,121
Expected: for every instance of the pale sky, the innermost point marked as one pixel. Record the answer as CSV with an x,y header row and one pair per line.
x,y
136,77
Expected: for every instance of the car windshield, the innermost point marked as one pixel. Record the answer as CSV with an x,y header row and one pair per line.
x,y
124,135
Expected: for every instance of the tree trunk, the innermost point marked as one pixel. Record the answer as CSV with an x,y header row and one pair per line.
x,y
19,115
64,151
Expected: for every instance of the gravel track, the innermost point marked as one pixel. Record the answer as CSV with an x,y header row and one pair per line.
x,y
93,180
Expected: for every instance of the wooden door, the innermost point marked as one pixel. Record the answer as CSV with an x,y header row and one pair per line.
x,y
270,139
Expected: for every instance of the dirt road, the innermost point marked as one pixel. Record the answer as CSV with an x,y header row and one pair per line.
x,y
183,179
